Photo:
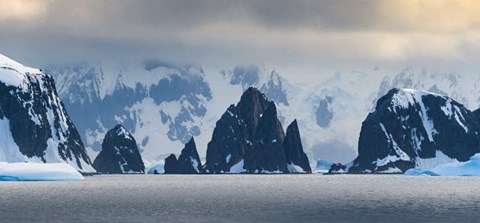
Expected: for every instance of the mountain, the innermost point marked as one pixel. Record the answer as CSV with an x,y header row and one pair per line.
x,y
268,154
414,129
249,138
162,104
188,162
119,153
170,166
296,158
34,125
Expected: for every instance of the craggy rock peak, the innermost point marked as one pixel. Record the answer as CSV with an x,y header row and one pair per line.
x,y
35,126
297,160
268,155
188,162
411,128
119,153
248,138
171,164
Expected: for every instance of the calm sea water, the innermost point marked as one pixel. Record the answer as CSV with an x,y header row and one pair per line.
x,y
244,198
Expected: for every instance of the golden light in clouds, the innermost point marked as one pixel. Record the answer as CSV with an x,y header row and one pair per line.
x,y
430,15
22,9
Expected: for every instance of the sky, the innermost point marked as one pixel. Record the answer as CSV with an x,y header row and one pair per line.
x,y
337,34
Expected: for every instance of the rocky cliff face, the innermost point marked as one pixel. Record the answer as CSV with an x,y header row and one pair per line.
x,y
171,164
296,158
188,162
34,126
248,138
119,153
268,153
411,128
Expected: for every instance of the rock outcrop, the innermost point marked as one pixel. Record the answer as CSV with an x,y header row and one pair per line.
x,y
34,125
119,154
171,164
296,158
188,162
250,135
414,129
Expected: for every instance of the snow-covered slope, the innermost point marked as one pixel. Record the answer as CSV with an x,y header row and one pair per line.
x,y
329,110
34,126
463,87
329,107
411,128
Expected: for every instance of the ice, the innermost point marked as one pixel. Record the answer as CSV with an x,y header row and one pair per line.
x,y
468,168
429,163
158,168
38,172
228,158
323,166
391,170
292,168
420,172
238,168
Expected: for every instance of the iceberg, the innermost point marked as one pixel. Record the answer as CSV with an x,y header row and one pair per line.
x,y
468,168
323,166
38,172
158,168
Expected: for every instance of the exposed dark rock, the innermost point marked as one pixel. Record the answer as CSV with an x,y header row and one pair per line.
x,y
294,153
233,135
269,155
37,119
119,153
171,164
408,126
249,134
226,147
189,161
337,168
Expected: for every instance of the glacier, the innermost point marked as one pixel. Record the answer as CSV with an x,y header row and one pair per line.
x,y
468,168
162,125
38,172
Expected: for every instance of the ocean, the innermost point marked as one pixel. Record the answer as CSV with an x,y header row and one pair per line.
x,y
244,198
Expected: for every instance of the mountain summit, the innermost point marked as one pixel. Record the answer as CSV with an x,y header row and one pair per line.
x,y
35,126
411,128
249,138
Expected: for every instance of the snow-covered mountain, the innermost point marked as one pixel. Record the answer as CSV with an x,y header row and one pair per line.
x,y
414,129
249,138
34,126
329,107
164,105
119,154
463,87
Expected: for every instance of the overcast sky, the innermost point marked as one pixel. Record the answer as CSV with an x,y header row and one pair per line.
x,y
347,33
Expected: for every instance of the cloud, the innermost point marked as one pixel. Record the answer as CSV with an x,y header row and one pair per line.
x,y
21,10
329,33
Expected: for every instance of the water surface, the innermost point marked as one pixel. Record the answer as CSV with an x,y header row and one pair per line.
x,y
244,198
